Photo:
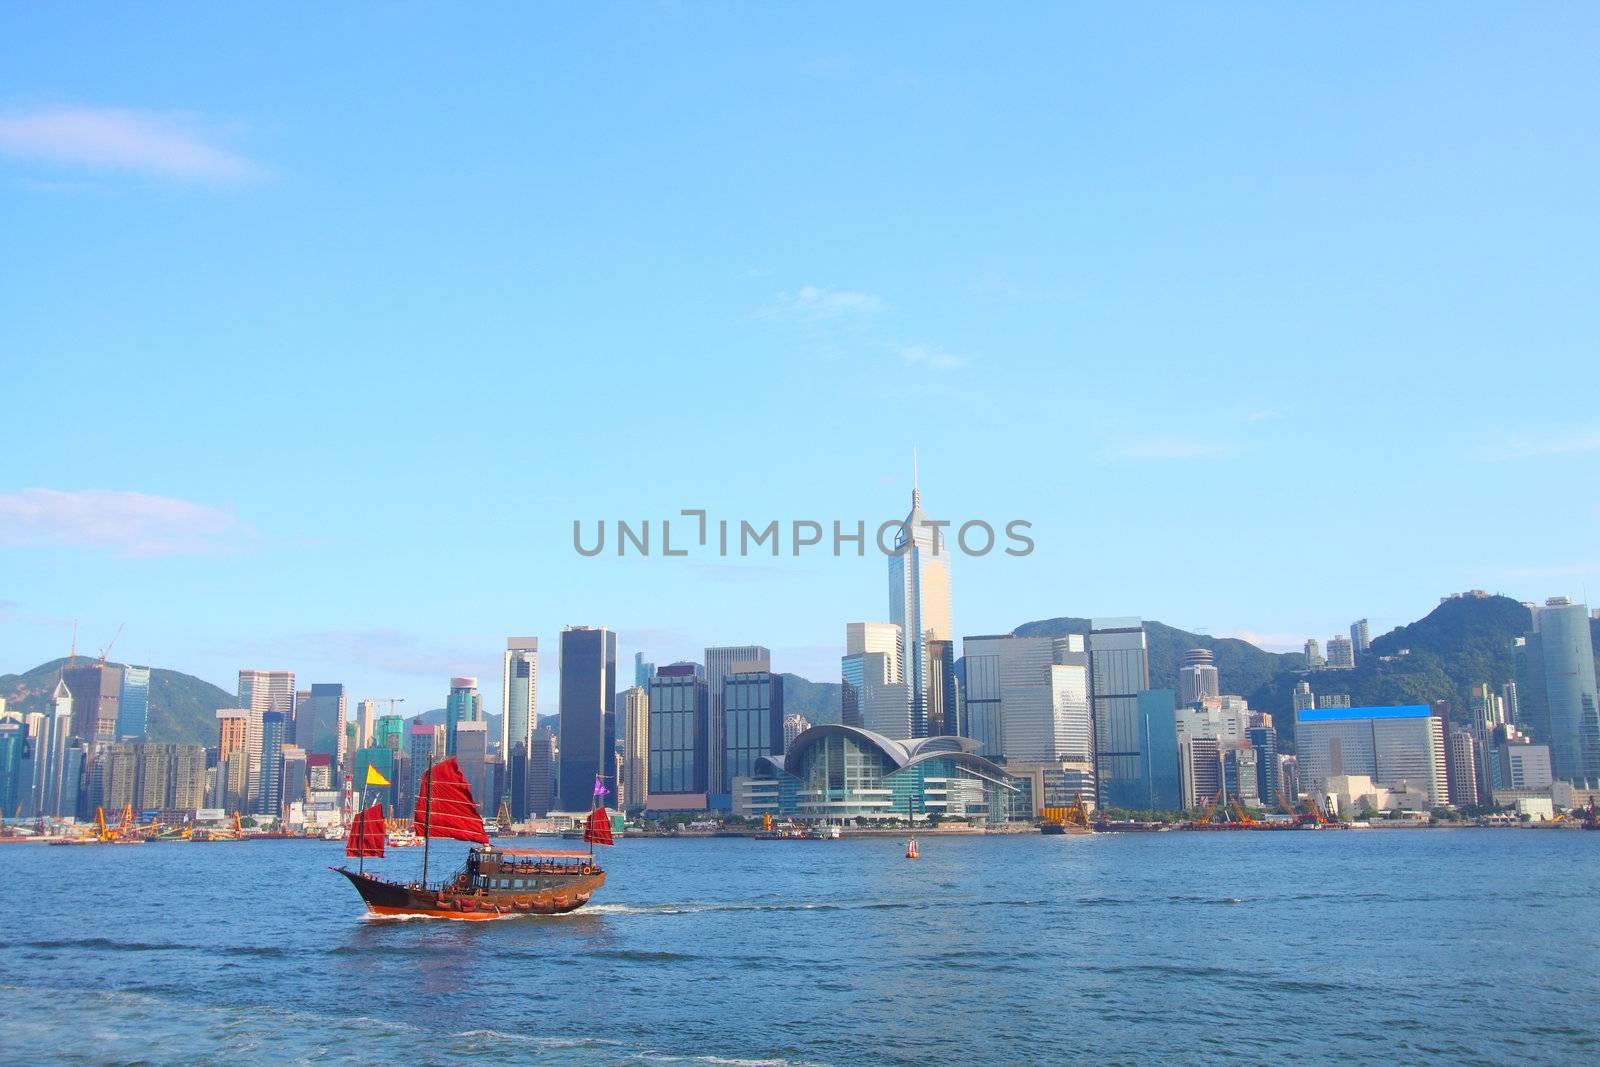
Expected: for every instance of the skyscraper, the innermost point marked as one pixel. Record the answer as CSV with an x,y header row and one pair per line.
x,y
719,664
133,704
1264,739
919,601
541,771
679,749
1314,660
462,705
1119,669
874,694
319,724
1160,785
752,718
269,794
1462,756
635,749
642,671
259,693
96,695
1556,689
1028,697
232,791
1197,678
588,714
519,692
366,722
472,753
793,727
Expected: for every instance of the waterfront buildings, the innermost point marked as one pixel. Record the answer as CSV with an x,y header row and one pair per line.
x,y
1556,689
133,704
1264,739
96,693
719,663
1463,767
919,604
424,746
874,692
1199,771
260,692
319,723
752,718
679,709
1197,678
463,705
1159,786
274,735
366,722
834,773
1028,699
1119,670
588,714
635,793
472,753
1397,747
541,771
519,692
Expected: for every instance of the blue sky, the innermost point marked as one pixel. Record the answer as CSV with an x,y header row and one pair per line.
x,y
1267,317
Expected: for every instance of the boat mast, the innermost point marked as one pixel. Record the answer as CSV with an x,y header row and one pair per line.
x,y
427,817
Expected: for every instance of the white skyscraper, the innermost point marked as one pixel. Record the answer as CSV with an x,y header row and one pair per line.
x,y
919,599
876,695
1197,678
259,693
519,694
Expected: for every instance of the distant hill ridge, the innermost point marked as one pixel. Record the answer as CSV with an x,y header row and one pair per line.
x,y
1465,640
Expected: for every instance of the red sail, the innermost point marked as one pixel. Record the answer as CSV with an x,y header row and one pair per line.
x,y
367,833
598,830
445,807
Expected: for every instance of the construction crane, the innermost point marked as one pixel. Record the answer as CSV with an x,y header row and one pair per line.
x,y
109,643
1240,815
392,702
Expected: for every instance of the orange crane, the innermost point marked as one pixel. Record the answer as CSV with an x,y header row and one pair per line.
x,y
109,643
1240,815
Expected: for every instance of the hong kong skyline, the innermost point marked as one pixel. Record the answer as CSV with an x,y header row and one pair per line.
x,y
320,380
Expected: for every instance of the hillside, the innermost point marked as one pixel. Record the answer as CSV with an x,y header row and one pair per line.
x,y
819,702
1242,667
183,708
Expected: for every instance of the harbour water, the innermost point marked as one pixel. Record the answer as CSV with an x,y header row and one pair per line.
x,y
1469,946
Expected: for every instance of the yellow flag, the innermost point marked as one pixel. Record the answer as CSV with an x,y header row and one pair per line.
x,y
374,778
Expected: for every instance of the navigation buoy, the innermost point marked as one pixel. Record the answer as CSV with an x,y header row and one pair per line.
x,y
911,849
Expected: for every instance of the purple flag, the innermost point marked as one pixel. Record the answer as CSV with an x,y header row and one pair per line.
x,y
600,789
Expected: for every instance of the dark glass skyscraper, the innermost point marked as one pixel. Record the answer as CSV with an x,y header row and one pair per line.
x,y
752,721
588,715
679,709
1119,669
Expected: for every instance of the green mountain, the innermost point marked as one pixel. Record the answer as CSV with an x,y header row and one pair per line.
x,y
819,702
183,708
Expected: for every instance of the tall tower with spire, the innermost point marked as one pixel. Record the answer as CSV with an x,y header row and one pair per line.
x,y
919,598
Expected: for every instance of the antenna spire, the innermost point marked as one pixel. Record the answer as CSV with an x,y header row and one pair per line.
x,y
916,487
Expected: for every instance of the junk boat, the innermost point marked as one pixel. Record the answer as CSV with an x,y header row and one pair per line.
x,y
494,882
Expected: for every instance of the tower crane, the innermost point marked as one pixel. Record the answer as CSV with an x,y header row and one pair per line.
x,y
111,642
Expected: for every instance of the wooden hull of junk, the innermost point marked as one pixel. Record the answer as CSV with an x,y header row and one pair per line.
x,y
475,895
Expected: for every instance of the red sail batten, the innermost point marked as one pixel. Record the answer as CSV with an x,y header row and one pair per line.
x,y
445,807
598,829
367,833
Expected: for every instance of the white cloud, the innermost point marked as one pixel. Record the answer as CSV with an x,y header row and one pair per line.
x,y
928,356
1175,448
1586,440
825,302
163,146
123,523
1270,642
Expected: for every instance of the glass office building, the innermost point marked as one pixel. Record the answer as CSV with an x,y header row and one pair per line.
x,y
679,711
133,709
752,721
588,715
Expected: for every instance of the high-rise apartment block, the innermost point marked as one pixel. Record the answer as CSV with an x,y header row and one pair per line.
x,y
1396,747
635,793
